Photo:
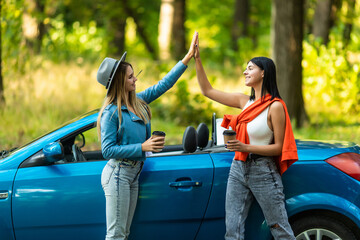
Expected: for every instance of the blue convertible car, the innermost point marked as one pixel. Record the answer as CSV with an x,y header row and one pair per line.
x,y
50,189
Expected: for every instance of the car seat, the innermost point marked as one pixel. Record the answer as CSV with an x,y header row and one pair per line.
x,y
203,135
78,154
190,140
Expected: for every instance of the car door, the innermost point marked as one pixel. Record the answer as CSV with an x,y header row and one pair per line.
x,y
66,200
61,201
174,193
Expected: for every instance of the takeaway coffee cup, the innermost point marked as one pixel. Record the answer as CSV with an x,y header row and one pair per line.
x,y
229,135
158,134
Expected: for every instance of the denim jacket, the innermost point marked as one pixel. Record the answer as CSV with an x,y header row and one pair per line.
x,y
125,141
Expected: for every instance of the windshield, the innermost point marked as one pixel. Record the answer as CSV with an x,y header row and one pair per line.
x,y
6,153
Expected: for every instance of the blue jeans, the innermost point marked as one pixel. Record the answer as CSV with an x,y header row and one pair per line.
x,y
256,179
119,180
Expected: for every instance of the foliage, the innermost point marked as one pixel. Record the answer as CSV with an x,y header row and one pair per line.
x,y
182,107
214,20
331,81
78,42
44,90
15,52
147,12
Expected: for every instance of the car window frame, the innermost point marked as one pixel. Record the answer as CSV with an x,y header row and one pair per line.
x,y
27,162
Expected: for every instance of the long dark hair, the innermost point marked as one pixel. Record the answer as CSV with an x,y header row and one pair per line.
x,y
269,80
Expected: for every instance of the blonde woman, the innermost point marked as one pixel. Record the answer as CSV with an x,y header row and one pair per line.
x,y
125,131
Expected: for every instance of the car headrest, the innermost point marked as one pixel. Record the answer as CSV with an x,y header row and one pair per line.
x,y
203,135
189,141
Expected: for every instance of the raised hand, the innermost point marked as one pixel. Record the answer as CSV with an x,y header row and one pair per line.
x,y
197,51
192,48
194,41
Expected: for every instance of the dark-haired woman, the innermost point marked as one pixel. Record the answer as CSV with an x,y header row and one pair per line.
x,y
124,128
264,148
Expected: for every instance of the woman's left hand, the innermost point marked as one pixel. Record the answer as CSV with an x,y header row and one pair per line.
x,y
236,145
191,51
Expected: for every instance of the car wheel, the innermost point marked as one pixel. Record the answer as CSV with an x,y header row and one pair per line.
x,y
321,228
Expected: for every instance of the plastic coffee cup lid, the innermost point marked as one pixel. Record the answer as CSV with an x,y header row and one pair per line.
x,y
229,132
158,133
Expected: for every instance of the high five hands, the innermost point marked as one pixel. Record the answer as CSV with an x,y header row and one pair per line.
x,y
197,51
192,49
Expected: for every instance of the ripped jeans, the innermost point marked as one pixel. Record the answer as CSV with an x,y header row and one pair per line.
x,y
121,186
256,179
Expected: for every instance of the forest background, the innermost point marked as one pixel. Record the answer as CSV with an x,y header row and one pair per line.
x,y
51,50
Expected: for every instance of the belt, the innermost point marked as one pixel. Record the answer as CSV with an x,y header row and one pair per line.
x,y
127,162
253,156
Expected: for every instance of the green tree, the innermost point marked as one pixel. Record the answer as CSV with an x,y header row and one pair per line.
x,y
349,19
2,97
133,10
178,43
115,24
241,22
14,54
324,18
288,17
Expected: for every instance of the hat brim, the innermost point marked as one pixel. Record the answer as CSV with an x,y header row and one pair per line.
x,y
122,59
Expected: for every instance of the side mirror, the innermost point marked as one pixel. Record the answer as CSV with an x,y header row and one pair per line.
x,y
53,152
80,140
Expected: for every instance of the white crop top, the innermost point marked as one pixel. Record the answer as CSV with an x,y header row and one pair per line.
x,y
258,130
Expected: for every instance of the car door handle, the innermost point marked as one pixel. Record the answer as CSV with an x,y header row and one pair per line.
x,y
185,184
4,195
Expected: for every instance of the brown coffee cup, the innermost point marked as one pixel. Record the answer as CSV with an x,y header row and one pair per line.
x,y
158,134
229,135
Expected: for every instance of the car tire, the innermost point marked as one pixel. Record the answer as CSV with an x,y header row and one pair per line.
x,y
315,226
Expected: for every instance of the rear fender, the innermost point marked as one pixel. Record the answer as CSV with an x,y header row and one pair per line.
x,y
322,201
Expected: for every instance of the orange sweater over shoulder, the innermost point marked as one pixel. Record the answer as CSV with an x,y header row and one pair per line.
x,y
239,124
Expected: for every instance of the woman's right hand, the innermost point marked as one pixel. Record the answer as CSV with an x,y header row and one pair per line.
x,y
153,144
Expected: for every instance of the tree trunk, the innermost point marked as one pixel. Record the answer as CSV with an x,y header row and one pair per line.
x,y
335,8
322,20
2,97
140,29
287,36
241,22
40,9
115,23
350,15
117,27
178,30
165,28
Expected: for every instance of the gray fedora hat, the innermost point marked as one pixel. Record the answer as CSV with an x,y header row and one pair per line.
x,y
107,70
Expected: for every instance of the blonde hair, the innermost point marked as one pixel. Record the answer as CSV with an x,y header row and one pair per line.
x,y
117,96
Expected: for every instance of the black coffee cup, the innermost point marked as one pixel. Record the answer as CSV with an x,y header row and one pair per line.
x,y
159,133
